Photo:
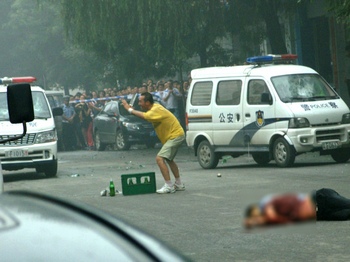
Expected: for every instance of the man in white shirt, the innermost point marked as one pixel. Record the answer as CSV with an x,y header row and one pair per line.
x,y
171,96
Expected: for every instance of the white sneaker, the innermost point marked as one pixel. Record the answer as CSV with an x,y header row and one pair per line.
x,y
166,189
180,187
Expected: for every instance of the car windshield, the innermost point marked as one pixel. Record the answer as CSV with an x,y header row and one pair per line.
x,y
41,109
302,87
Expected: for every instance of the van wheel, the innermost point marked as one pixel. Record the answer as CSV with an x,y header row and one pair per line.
x,y
121,142
341,155
283,153
261,159
50,170
207,158
97,142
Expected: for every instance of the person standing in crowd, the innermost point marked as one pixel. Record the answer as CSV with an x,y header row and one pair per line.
x,y
160,94
95,105
142,89
68,134
129,93
171,96
87,123
185,87
80,115
169,132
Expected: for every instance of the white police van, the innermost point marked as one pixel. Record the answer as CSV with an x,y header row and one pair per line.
x,y
268,109
38,147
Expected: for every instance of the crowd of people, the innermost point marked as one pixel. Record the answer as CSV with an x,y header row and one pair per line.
x,y
79,110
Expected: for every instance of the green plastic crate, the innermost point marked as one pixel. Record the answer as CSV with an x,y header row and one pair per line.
x,y
134,184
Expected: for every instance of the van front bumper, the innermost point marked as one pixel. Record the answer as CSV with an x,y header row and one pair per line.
x,y
319,139
33,156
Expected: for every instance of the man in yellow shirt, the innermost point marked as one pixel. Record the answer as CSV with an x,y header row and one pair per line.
x,y
170,134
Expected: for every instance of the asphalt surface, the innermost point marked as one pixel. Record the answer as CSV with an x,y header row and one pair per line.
x,y
204,222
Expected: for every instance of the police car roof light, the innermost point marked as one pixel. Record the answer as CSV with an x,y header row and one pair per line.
x,y
271,58
11,80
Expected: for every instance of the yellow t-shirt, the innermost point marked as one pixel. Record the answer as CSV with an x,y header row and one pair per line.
x,y
164,122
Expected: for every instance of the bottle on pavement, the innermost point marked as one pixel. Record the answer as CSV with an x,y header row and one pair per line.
x,y
111,188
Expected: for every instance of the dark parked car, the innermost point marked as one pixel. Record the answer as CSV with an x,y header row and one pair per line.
x,y
115,126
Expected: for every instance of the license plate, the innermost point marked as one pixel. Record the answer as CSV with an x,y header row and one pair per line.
x,y
16,153
330,145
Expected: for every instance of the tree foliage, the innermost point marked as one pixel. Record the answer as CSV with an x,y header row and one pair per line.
x,y
84,43
341,10
33,43
145,37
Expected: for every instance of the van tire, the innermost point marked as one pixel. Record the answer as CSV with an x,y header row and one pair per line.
x,y
121,141
49,170
206,156
97,142
283,153
261,159
341,155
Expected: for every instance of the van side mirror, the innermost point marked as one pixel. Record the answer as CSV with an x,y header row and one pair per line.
x,y
57,111
20,107
20,103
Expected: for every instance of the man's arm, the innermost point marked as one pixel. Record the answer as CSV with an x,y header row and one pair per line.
x,y
272,217
132,111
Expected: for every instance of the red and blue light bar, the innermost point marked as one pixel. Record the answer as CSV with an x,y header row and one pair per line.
x,y
271,58
13,80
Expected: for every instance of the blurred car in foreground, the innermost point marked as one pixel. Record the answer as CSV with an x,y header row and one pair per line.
x,y
37,227
115,126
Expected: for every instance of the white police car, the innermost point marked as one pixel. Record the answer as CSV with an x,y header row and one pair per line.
x,y
270,109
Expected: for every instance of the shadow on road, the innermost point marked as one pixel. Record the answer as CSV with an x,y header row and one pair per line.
x,y
14,177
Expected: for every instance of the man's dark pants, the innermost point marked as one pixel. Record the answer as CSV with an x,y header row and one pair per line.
x,y
68,134
332,206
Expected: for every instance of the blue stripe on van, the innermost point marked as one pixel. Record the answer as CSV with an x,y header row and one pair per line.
x,y
242,137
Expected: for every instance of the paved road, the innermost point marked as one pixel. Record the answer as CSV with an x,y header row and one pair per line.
x,y
205,221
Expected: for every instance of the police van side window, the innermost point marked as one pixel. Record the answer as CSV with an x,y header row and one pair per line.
x,y
229,92
258,92
201,93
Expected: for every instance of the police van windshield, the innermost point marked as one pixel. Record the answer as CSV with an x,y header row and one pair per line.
x,y
41,109
302,87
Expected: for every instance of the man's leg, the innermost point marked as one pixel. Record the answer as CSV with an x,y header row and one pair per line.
x,y
332,206
179,186
163,168
174,168
168,187
167,154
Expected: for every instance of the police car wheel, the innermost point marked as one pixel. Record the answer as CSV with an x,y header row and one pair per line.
x,y
341,155
261,158
283,153
206,156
